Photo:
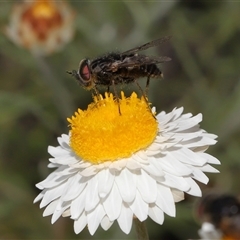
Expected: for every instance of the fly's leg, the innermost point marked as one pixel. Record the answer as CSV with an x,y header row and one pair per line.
x,y
144,96
117,97
96,93
143,93
147,85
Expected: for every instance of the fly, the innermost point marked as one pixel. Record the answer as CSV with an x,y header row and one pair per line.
x,y
120,68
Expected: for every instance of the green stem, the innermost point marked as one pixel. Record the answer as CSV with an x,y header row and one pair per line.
x,y
141,230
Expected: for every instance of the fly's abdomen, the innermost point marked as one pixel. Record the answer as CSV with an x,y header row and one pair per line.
x,y
151,70
135,72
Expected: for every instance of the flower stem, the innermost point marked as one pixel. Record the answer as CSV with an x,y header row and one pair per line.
x,y
141,230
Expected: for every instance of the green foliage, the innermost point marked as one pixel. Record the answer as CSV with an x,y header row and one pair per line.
x,y
36,97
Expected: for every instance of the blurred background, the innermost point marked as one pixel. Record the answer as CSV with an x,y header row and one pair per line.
x,y
37,95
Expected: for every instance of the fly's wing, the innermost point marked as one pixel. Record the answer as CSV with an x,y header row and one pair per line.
x,y
137,60
148,45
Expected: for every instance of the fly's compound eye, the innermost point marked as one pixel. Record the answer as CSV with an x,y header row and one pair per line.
x,y
84,74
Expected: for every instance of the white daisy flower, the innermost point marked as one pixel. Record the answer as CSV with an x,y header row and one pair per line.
x,y
113,167
41,26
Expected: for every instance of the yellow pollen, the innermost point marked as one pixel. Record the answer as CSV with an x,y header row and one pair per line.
x,y
101,134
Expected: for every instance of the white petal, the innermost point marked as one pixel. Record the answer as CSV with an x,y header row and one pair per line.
x,y
64,160
118,165
112,204
51,195
80,223
161,139
208,168
105,182
57,151
75,187
126,183
60,208
189,157
154,146
52,180
53,165
66,213
166,145
151,168
177,195
87,172
188,136
125,219
139,208
184,125
200,176
92,197
170,127
155,213
210,159
94,218
50,208
64,141
153,153
177,112
147,187
67,171
140,160
155,163
195,189
142,157
175,182
171,165
165,200
80,165
105,223
40,196
165,118
78,205
199,142
133,165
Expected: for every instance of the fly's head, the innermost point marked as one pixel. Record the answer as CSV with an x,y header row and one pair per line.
x,y
84,75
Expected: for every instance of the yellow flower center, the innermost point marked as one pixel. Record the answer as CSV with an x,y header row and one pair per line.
x,y
101,134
